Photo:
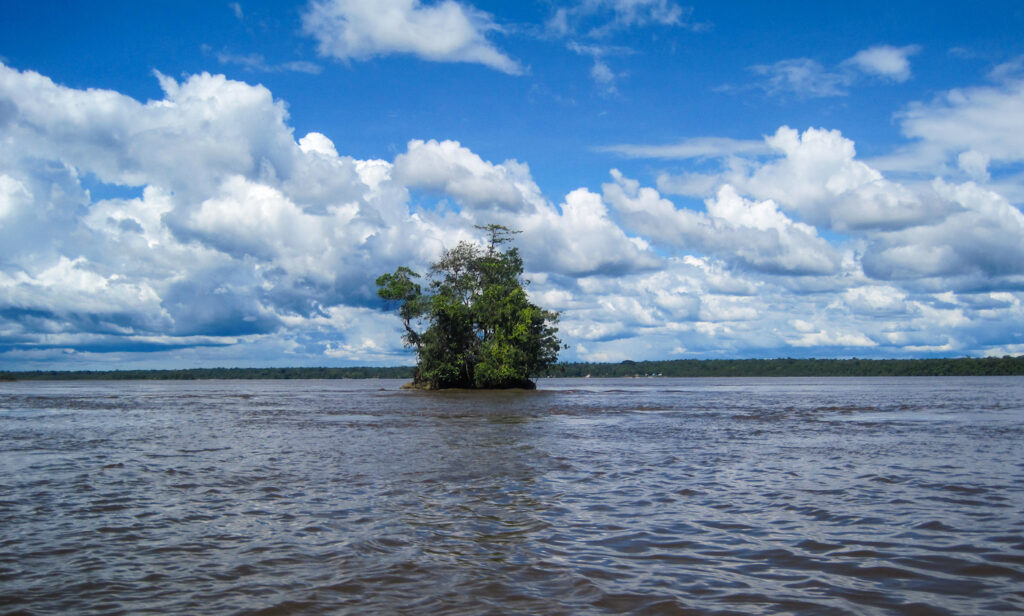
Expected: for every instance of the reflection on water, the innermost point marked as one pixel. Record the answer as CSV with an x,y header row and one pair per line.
x,y
844,496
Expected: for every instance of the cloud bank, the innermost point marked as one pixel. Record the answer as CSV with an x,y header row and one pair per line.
x,y
198,229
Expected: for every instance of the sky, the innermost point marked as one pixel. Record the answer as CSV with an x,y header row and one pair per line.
x,y
200,184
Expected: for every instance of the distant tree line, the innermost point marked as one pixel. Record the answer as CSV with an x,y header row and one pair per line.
x,y
964,366
192,374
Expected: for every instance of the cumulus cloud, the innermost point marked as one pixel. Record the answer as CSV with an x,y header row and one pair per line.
x,y
875,300
444,32
657,303
172,141
820,179
974,164
252,219
73,287
816,176
752,233
318,143
978,244
238,240
903,240
228,234
577,237
253,234
14,196
450,168
581,240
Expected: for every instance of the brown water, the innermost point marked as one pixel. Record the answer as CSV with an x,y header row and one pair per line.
x,y
647,496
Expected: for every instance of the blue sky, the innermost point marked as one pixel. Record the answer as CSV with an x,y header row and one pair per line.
x,y
218,183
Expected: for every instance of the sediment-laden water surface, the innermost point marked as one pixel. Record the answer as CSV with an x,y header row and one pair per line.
x,y
818,496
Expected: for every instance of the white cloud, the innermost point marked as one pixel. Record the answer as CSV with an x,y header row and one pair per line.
x,y
172,141
974,164
978,243
885,61
808,78
449,167
443,32
988,121
831,338
238,224
359,334
72,286
820,179
582,239
14,196
251,219
876,300
578,237
624,307
245,245
752,233
817,178
905,239
318,143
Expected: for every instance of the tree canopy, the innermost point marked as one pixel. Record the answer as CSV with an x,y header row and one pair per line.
x,y
474,326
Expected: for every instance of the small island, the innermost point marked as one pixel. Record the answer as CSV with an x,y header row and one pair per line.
x,y
474,327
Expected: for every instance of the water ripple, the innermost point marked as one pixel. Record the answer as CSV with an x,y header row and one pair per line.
x,y
659,496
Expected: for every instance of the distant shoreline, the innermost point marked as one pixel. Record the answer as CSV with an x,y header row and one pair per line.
x,y
963,366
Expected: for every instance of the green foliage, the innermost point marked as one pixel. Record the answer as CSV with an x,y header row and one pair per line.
x,y
961,366
481,330
399,287
194,374
492,364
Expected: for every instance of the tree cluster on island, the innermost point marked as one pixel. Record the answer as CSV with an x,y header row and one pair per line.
x,y
474,326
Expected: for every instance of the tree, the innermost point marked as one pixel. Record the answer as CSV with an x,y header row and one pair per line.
x,y
481,330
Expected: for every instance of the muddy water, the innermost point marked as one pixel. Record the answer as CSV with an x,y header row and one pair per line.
x,y
817,496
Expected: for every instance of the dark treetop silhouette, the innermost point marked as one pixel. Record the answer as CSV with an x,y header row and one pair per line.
x,y
481,330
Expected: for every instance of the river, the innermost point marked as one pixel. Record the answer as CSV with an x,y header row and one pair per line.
x,y
597,496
